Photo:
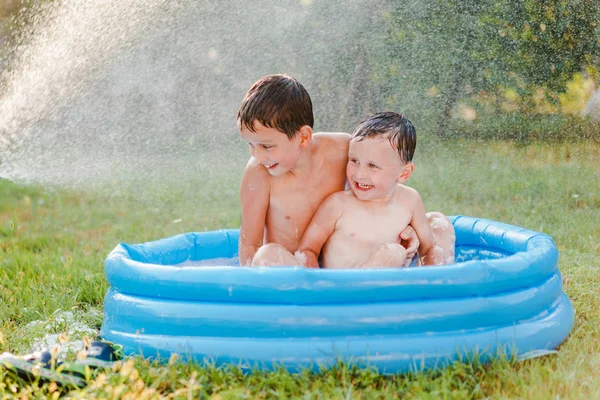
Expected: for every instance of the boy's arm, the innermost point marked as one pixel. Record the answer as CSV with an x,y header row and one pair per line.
x,y
428,248
320,228
255,191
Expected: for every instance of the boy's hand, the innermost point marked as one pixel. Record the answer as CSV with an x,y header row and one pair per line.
x,y
307,259
410,241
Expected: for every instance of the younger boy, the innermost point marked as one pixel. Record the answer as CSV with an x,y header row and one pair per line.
x,y
359,227
290,173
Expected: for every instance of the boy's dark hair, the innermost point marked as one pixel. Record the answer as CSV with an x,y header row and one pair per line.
x,y
279,102
401,131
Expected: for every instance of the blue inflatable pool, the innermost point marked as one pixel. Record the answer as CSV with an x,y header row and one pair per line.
x,y
503,295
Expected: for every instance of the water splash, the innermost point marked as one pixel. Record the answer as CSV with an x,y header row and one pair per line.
x,y
65,331
147,91
56,69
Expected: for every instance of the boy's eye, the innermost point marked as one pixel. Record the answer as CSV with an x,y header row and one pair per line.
x,y
266,147
354,161
372,165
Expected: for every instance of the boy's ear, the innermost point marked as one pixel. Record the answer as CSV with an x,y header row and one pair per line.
x,y
305,133
406,172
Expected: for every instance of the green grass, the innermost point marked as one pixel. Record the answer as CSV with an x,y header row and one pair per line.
x,y
53,245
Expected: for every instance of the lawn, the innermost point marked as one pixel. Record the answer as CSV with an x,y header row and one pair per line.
x,y
54,241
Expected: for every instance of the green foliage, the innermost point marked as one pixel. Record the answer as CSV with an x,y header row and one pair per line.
x,y
53,245
546,43
442,52
423,57
524,128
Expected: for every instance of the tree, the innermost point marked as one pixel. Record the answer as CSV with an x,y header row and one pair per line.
x,y
443,51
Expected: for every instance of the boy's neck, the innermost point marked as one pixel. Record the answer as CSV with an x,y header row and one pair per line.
x,y
306,162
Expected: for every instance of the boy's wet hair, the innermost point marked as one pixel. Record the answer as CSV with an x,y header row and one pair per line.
x,y
279,102
399,130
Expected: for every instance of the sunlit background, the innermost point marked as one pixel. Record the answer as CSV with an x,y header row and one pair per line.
x,y
138,99
117,124
97,91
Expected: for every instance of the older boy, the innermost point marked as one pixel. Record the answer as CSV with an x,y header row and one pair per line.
x,y
290,172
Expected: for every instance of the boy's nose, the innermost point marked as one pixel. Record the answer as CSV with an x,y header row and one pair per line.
x,y
360,172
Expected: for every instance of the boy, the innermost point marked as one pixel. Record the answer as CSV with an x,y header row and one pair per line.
x,y
290,173
359,227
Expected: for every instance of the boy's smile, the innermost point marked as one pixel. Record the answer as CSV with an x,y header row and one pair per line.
x,y
272,148
362,187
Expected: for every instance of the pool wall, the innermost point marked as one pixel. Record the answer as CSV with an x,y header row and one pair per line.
x,y
503,296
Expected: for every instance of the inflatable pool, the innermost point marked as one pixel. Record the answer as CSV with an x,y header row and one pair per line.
x,y
504,295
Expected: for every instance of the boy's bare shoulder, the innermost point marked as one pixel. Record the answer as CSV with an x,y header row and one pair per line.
x,y
334,205
332,137
255,172
338,199
408,193
333,142
342,200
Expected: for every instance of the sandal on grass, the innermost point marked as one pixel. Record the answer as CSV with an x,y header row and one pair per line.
x,y
42,367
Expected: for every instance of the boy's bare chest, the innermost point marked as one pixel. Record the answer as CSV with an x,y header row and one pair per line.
x,y
368,225
302,197
296,200
291,208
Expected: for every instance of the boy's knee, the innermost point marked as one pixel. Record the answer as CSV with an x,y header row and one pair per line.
x,y
270,247
438,221
388,255
445,236
270,254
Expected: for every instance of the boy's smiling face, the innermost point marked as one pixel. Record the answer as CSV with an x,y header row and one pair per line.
x,y
272,148
374,169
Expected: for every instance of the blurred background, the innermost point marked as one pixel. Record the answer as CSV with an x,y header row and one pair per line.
x,y
97,91
118,124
